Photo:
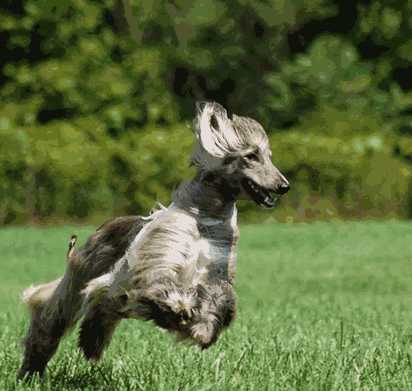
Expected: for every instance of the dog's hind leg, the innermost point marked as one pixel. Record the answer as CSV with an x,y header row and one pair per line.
x,y
55,307
216,311
49,321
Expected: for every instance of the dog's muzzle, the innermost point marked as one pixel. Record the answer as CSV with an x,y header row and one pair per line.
x,y
259,194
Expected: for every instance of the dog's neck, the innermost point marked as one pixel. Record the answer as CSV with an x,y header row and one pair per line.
x,y
206,196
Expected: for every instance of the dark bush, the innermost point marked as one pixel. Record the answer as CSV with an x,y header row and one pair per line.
x,y
96,96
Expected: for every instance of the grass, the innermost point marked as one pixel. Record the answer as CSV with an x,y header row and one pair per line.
x,y
326,306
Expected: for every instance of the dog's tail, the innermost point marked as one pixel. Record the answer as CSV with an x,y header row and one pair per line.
x,y
35,296
71,252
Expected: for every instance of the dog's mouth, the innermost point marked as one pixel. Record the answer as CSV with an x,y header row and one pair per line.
x,y
259,194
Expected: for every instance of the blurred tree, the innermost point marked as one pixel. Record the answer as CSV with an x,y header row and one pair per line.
x,y
89,79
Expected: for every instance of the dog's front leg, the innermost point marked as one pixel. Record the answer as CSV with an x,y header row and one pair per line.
x,y
166,303
216,310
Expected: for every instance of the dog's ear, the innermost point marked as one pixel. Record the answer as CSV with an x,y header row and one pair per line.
x,y
214,130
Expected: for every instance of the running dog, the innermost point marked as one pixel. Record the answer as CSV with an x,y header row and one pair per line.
x,y
175,267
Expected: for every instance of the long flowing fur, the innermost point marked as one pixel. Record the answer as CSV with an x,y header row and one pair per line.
x,y
175,267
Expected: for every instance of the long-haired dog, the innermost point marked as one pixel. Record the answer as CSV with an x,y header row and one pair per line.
x,y
175,267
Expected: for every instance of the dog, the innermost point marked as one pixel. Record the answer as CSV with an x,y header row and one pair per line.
x,y
175,267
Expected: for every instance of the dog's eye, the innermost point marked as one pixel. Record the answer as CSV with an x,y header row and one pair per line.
x,y
253,156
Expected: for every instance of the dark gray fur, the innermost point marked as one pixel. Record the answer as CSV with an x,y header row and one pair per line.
x,y
176,267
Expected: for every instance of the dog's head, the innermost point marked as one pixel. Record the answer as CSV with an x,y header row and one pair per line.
x,y
237,149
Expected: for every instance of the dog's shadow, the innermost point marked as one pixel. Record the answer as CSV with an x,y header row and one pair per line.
x,y
75,373
96,377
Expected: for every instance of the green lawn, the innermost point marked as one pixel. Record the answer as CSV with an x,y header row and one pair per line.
x,y
325,306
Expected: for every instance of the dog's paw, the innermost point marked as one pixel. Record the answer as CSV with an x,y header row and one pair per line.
x,y
203,334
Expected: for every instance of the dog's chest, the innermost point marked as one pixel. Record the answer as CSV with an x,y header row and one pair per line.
x,y
210,250
181,246
216,249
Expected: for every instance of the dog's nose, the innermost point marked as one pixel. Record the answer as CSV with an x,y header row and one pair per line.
x,y
284,188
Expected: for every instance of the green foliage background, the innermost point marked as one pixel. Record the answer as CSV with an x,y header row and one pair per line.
x,y
97,100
